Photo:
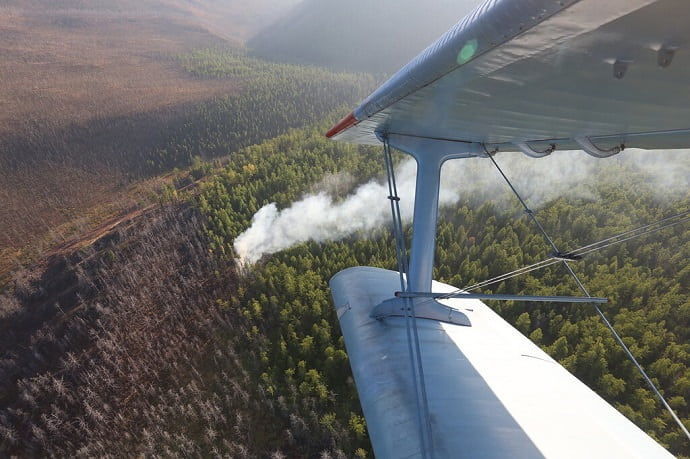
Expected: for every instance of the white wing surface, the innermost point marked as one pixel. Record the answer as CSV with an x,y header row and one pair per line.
x,y
492,392
544,72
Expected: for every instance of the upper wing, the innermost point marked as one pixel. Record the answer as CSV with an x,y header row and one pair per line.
x,y
543,72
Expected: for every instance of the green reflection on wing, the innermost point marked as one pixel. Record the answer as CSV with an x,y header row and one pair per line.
x,y
468,51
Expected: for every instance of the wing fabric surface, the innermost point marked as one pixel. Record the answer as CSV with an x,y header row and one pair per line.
x,y
543,72
492,392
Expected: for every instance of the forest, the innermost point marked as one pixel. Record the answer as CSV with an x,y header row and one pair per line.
x,y
111,165
152,339
273,98
255,366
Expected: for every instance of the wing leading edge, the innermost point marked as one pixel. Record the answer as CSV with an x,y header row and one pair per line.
x,y
542,74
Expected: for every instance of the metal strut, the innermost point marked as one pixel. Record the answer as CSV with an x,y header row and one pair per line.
x,y
419,275
423,417
482,296
584,290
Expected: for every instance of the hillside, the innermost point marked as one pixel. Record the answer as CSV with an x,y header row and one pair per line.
x,y
232,19
376,37
74,61
95,92
107,335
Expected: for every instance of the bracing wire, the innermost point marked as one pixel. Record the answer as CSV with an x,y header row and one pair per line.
x,y
601,314
423,417
620,239
401,260
648,228
596,246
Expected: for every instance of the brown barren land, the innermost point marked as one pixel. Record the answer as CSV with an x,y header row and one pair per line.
x,y
81,83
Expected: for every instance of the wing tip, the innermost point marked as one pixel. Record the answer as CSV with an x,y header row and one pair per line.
x,y
342,125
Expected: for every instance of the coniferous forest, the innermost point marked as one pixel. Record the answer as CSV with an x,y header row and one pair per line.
x,y
153,340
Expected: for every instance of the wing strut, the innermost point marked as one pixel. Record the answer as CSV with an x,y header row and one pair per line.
x,y
430,155
410,318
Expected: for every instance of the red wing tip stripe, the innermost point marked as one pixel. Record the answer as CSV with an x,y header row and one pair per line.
x,y
342,125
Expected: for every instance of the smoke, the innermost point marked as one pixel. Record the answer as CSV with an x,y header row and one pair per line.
x,y
320,217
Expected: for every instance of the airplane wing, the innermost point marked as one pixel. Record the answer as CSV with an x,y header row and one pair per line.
x,y
492,393
515,75
544,72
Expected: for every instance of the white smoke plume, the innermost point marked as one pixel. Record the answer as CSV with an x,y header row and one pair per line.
x,y
319,217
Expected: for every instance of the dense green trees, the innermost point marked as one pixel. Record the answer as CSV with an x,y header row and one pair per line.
x,y
294,348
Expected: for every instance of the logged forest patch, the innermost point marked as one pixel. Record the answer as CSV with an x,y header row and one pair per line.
x,y
100,342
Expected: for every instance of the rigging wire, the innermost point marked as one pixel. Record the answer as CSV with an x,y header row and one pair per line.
x,y
600,245
644,227
423,417
596,246
596,307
